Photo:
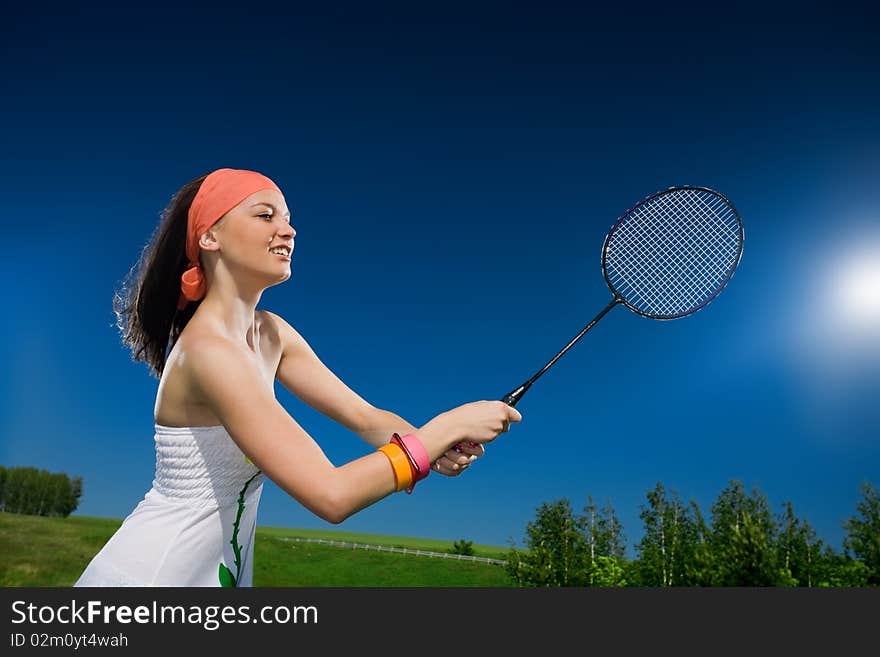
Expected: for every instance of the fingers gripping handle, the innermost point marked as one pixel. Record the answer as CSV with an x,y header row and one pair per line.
x,y
511,399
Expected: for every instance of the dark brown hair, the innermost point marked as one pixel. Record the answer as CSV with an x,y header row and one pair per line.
x,y
146,301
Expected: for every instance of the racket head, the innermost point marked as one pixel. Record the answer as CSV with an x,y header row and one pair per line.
x,y
673,252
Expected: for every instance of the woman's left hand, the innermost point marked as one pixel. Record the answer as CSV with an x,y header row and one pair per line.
x,y
453,462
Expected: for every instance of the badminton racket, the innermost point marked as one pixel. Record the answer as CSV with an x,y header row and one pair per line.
x,y
666,257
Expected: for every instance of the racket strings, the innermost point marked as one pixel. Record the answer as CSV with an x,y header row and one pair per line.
x,y
705,260
669,279
668,256
667,283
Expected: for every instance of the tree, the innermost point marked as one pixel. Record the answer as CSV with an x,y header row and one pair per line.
x,y
610,541
752,561
608,571
4,473
557,551
798,550
840,570
37,492
863,533
669,540
20,490
606,545
463,547
589,526
743,539
698,569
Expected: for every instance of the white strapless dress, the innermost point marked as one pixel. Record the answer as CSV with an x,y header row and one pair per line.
x,y
195,526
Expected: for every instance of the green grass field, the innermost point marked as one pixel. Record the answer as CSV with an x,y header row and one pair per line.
x,y
38,551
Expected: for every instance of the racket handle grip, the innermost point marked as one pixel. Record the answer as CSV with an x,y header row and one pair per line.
x,y
511,398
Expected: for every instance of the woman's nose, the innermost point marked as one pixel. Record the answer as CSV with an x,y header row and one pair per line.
x,y
287,231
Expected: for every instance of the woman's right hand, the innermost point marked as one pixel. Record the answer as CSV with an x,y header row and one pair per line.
x,y
476,422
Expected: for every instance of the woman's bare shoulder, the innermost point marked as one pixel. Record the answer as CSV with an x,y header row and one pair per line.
x,y
197,337
273,319
197,356
285,329
199,346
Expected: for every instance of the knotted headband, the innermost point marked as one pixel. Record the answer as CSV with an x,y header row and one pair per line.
x,y
220,191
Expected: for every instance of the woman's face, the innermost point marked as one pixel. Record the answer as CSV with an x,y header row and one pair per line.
x,y
256,236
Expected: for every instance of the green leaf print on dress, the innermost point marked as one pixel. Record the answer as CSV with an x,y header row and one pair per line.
x,y
227,579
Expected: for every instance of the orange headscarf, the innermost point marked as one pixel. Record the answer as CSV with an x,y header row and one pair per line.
x,y
220,191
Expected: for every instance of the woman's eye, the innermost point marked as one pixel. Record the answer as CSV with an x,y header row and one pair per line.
x,y
266,215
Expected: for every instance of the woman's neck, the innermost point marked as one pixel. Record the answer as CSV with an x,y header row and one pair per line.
x,y
234,315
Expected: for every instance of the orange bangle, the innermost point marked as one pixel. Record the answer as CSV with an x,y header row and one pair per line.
x,y
402,470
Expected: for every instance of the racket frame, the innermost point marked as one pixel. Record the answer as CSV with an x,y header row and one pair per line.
x,y
721,286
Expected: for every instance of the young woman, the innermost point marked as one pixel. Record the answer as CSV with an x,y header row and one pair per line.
x,y
190,312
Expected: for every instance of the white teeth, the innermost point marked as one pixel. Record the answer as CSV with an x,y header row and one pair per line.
x,y
280,250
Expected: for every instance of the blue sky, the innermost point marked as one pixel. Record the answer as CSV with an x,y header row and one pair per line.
x,y
453,173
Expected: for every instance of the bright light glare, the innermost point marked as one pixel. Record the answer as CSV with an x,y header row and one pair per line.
x,y
835,337
858,291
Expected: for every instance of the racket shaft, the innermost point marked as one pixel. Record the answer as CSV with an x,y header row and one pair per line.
x,y
513,397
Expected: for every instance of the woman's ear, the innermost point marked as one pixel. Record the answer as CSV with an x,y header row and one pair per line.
x,y
208,241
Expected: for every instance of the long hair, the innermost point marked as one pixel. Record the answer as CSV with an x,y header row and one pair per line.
x,y
146,301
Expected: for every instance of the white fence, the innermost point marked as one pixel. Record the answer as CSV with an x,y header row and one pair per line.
x,y
399,550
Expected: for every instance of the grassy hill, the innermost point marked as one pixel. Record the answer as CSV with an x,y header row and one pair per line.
x,y
40,551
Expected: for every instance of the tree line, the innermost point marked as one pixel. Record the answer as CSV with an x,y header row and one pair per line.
x,y
742,543
38,492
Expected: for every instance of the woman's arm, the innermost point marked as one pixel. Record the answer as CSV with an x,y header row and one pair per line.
x,y
380,424
226,378
304,375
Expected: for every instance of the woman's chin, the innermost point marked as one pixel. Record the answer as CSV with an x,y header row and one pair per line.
x,y
267,278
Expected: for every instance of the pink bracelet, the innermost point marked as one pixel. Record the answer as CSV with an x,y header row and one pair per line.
x,y
418,456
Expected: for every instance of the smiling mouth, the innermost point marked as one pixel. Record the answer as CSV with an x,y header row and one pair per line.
x,y
282,251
